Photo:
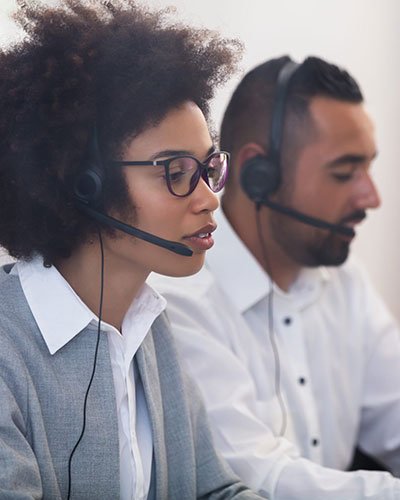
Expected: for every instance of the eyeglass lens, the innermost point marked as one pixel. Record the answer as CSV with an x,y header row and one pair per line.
x,y
184,173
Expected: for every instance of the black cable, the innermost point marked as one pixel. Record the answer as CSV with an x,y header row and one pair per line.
x,y
94,365
271,329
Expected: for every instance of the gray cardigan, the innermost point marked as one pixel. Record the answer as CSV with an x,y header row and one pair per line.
x,y
41,411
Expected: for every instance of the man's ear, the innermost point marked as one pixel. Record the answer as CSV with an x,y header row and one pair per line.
x,y
248,151
241,156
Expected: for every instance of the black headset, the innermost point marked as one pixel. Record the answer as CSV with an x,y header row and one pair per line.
x,y
88,185
261,175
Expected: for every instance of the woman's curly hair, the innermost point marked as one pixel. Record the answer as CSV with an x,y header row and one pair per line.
x,y
115,66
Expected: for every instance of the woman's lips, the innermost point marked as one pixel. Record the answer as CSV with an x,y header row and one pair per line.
x,y
202,239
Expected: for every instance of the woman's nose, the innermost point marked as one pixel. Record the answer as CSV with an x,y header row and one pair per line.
x,y
204,198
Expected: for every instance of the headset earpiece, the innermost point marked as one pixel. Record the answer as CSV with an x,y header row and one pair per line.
x,y
261,175
88,186
259,178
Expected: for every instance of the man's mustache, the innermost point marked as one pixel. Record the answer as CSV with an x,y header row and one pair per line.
x,y
356,216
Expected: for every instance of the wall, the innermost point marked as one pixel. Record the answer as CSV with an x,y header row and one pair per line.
x,y
361,35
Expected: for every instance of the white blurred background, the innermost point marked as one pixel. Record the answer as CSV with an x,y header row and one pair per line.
x,y
360,35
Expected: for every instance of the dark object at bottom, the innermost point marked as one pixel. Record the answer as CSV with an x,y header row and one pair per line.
x,y
363,461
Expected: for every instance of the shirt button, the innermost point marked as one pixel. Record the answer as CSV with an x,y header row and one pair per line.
x,y
287,320
302,380
315,442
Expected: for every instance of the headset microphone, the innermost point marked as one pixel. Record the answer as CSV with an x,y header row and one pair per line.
x,y
307,219
173,246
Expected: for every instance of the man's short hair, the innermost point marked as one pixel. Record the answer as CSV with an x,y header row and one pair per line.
x,y
248,115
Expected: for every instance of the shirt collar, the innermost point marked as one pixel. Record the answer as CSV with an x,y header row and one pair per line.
x,y
59,312
145,308
245,281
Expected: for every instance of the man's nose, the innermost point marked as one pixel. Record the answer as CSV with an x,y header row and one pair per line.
x,y
367,195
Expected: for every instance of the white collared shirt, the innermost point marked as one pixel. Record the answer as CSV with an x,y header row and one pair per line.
x,y
338,364
60,315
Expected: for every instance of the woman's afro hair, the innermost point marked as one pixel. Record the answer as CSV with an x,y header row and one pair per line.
x,y
114,66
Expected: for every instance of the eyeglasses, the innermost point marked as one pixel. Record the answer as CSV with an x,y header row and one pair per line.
x,y
183,172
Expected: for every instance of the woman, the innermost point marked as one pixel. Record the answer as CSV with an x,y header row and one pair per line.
x,y
107,172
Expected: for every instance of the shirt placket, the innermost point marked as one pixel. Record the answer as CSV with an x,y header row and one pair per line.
x,y
299,385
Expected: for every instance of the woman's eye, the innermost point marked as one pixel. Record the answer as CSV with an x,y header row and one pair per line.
x,y
181,169
176,176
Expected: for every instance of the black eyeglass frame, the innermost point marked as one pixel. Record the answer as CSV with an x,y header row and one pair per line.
x,y
201,172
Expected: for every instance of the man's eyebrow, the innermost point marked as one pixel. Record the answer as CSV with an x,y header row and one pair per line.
x,y
166,153
350,159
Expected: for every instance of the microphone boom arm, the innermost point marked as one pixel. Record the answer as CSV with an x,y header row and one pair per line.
x,y
172,246
307,219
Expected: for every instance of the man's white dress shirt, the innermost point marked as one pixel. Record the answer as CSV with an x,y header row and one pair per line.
x,y
60,315
338,363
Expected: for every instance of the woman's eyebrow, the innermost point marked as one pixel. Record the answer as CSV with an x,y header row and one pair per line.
x,y
176,152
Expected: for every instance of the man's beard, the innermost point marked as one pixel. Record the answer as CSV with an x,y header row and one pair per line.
x,y
329,251
312,249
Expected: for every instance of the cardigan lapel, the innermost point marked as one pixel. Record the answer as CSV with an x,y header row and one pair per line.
x,y
149,373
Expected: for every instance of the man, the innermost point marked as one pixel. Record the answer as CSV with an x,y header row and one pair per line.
x,y
296,356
